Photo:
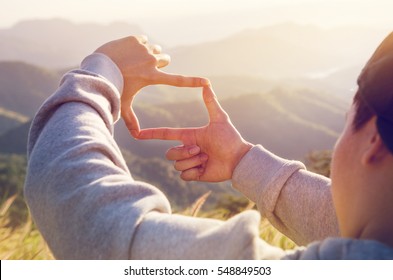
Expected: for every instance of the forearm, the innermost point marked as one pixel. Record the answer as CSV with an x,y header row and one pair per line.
x,y
163,236
296,201
78,188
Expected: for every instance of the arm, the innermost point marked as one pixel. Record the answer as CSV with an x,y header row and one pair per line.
x,y
84,199
297,202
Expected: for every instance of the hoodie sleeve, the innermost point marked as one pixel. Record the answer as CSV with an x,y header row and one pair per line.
x,y
83,197
297,202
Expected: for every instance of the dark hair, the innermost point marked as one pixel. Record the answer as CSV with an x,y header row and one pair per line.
x,y
363,112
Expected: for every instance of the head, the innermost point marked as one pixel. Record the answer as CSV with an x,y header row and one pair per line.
x,y
362,164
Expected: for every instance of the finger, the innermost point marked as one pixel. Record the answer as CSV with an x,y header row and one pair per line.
x,y
214,109
163,133
163,59
192,174
193,162
180,80
182,152
130,120
141,39
154,49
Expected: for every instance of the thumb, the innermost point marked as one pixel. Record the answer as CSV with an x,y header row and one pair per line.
x,y
130,119
214,109
179,80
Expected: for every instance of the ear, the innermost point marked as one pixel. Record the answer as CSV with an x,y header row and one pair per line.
x,y
375,151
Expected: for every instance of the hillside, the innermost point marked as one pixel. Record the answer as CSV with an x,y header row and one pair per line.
x,y
14,140
57,43
23,87
276,51
280,51
10,119
290,123
274,113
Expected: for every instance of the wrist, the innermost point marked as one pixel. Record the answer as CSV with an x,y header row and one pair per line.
x,y
244,148
102,65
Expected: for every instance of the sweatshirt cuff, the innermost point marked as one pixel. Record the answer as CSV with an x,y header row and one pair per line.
x,y
103,66
260,176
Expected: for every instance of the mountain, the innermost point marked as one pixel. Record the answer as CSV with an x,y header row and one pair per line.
x,y
290,123
275,114
23,87
280,51
10,119
14,141
57,43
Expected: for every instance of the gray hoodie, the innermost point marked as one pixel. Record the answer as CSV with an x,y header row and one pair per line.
x,y
87,205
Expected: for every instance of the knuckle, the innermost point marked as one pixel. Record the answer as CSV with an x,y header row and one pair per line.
x,y
177,166
168,154
185,153
132,39
185,176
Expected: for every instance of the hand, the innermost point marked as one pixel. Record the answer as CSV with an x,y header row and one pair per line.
x,y
210,153
139,63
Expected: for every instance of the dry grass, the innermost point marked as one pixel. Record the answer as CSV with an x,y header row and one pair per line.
x,y
267,232
23,242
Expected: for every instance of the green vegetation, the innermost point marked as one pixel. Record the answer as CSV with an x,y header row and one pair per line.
x,y
19,238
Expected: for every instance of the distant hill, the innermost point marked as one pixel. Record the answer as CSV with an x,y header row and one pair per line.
x,y
23,87
290,123
276,51
14,141
275,113
10,119
280,51
57,43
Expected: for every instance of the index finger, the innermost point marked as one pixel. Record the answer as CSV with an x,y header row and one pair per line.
x,y
164,133
180,80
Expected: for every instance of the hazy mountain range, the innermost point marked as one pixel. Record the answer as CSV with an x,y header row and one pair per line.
x,y
57,43
326,59
290,120
283,50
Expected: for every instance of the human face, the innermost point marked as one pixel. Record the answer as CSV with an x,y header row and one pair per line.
x,y
346,174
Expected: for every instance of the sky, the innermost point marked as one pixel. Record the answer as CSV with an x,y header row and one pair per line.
x,y
190,21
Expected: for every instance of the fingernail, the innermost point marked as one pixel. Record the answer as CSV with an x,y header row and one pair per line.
x,y
204,157
134,133
194,150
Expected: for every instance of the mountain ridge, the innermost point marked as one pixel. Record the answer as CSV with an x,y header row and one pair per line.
x,y
58,43
273,51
